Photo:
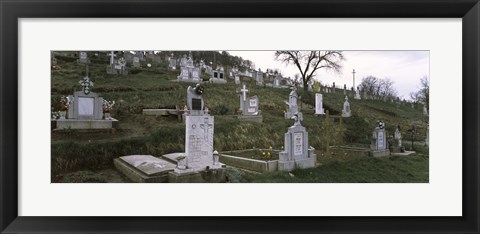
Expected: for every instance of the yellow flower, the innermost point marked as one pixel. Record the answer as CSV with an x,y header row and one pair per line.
x,y
263,153
271,148
268,153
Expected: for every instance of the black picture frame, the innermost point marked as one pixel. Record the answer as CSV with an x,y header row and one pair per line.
x,y
11,11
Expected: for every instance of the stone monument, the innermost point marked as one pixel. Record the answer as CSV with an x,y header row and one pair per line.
x,y
188,72
379,146
85,110
319,104
357,94
218,76
249,107
346,111
297,153
292,104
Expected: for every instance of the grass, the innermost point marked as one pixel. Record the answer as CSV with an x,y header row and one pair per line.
x,y
155,88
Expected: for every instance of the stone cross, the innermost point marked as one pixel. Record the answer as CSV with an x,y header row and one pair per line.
x,y
112,55
244,92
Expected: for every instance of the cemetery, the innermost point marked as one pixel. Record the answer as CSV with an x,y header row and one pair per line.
x,y
155,129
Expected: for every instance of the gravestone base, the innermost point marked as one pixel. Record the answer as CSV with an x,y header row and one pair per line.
x,y
251,118
86,123
217,175
144,168
217,81
380,153
288,165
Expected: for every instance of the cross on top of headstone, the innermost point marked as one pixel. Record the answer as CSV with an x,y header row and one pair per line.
x,y
86,83
244,92
112,57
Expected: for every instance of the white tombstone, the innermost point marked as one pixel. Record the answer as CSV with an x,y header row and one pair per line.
x,y
379,146
398,137
346,112
297,153
425,111
292,104
199,128
357,94
319,104
237,79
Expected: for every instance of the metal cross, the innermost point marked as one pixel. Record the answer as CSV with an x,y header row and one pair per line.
x,y
86,84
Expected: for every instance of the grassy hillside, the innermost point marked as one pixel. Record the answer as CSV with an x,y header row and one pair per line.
x,y
155,88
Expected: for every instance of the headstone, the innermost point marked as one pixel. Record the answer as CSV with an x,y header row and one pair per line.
x,y
259,77
136,62
297,153
319,104
116,66
344,89
277,80
425,111
379,146
292,104
172,62
333,87
398,136
357,94
218,76
188,72
346,111
83,57
199,128
85,109
237,79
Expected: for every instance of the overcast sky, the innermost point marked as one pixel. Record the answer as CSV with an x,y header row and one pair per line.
x,y
404,68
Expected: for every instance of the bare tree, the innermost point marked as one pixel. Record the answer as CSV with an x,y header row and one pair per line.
x,y
308,62
378,87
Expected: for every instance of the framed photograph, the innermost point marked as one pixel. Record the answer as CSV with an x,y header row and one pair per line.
x,y
310,116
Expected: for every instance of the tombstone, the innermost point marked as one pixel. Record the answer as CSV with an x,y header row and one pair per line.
x,y
136,62
218,76
116,66
379,146
249,107
199,132
357,94
346,111
172,63
188,72
297,153
83,58
292,104
199,162
333,87
398,140
259,77
237,79
196,74
344,89
319,104
85,110
277,80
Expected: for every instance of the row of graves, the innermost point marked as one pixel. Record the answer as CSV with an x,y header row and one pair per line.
x,y
201,163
